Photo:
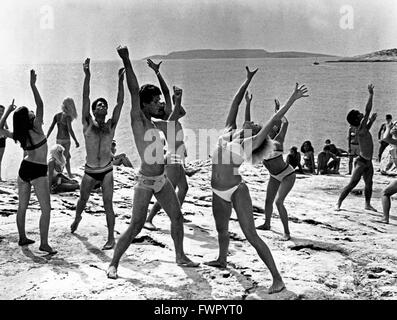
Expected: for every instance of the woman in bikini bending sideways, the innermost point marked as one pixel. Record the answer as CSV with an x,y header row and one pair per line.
x,y
33,171
282,177
234,148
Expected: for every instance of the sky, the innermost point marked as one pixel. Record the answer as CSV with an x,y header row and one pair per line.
x,y
37,31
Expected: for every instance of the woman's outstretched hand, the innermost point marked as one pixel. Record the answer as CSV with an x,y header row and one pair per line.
x,y
250,74
300,92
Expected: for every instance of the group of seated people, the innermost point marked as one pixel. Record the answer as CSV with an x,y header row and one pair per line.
x,y
59,182
328,160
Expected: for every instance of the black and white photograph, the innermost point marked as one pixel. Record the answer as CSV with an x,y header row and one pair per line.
x,y
212,151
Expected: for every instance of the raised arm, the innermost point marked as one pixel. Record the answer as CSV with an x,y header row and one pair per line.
x,y
280,137
54,121
368,107
248,100
3,120
164,88
85,115
372,120
120,99
299,92
69,124
231,118
132,82
177,98
37,98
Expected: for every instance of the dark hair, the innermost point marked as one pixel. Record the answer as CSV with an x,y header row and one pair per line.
x,y
93,105
327,148
1,106
147,93
327,141
22,124
389,116
352,118
294,149
310,146
113,143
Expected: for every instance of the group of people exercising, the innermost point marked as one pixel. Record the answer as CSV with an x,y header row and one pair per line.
x,y
161,174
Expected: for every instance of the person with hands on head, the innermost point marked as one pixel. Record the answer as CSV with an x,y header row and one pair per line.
x,y
151,180
282,179
63,120
98,135
28,131
363,166
3,138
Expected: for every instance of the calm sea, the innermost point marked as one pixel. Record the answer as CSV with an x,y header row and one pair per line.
x,y
209,87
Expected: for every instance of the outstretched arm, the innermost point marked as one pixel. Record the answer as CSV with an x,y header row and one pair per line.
x,y
280,137
177,97
368,107
231,118
248,100
37,98
54,121
372,120
120,99
85,115
299,92
164,88
132,82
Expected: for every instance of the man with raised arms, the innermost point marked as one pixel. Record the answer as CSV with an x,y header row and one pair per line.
x,y
363,164
145,104
98,136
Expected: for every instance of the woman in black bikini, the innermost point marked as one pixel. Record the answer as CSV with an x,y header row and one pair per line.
x,y
33,170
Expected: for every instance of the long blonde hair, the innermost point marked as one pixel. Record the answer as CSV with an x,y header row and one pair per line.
x,y
69,108
56,154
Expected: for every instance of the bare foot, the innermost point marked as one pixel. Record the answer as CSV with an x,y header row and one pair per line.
x,y
75,224
186,262
109,245
47,248
263,227
112,272
277,286
371,208
150,226
286,237
385,221
186,220
25,242
337,207
216,264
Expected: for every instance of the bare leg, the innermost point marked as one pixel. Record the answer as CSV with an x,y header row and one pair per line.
x,y
221,210
285,188
24,189
170,203
243,205
271,191
386,203
355,179
139,211
42,191
87,183
1,159
67,166
107,195
368,176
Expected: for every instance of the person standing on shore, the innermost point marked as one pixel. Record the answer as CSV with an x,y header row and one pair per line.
x,y
353,147
363,166
28,131
383,143
175,156
151,180
63,120
3,139
98,136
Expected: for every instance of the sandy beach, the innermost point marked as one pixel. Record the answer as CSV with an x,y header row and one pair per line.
x,y
332,255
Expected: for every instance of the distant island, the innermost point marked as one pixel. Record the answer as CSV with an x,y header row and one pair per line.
x,y
235,54
389,55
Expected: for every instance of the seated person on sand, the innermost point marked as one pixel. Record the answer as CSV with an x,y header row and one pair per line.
x,y
308,157
336,151
294,159
120,159
324,163
58,182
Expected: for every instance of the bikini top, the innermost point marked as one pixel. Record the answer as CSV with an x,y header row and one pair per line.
x,y
234,152
276,152
36,146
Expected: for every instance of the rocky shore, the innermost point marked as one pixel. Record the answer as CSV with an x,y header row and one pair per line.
x,y
332,255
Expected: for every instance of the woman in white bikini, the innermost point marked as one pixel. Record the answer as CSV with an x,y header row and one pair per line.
x,y
282,176
236,146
